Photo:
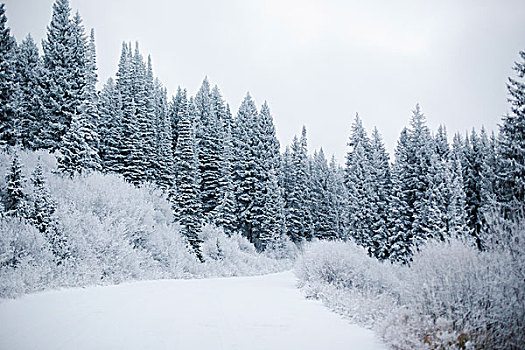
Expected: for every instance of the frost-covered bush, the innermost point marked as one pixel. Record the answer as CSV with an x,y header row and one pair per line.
x,y
112,232
234,256
451,296
442,297
25,259
347,279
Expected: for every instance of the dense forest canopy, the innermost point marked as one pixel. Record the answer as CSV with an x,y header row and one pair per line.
x,y
226,169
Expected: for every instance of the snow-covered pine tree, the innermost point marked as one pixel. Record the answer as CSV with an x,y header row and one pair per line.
x,y
187,205
174,107
78,149
325,224
130,152
76,155
511,146
91,63
299,225
244,167
64,67
420,157
8,84
271,220
380,181
285,178
441,143
42,216
43,205
399,211
338,198
456,210
208,134
89,94
361,197
268,204
143,118
110,128
225,211
164,176
358,179
29,108
478,191
15,199
488,172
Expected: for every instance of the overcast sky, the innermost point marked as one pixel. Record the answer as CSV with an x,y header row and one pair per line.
x,y
317,63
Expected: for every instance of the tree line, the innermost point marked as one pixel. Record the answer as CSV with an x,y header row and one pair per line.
x,y
229,171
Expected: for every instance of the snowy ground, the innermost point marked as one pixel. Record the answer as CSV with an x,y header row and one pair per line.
x,y
262,312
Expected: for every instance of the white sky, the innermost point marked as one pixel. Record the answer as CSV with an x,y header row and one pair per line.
x,y
318,62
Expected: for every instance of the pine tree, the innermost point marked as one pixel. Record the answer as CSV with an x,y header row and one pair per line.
x,y
164,176
174,107
111,129
511,145
420,193
268,204
400,213
380,181
271,220
29,107
76,155
8,84
209,132
299,225
225,210
187,205
338,198
456,210
479,195
64,63
441,143
78,150
15,198
244,167
130,132
43,207
360,192
42,216
358,179
322,195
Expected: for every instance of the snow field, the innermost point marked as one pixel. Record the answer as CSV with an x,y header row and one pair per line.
x,y
261,312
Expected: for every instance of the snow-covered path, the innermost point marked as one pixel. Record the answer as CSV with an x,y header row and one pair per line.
x,y
262,312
